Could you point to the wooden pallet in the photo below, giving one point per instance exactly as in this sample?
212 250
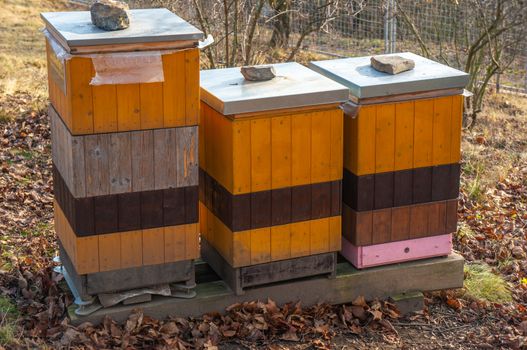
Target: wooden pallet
241 278
214 295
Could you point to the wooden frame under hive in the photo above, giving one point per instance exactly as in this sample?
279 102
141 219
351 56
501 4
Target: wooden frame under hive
402 137
271 171
125 156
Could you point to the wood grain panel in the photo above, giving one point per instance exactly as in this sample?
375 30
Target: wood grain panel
192 241
96 149
174 90
115 251
260 155
301 149
81 95
384 190
187 156
385 138
106 211
336 118
153 246
400 223
241 157
300 239
109 252
192 90
423 133
394 224
320 147
165 158
131 249
104 108
364 144
280 242
382 226
319 237
404 135
142 143
90 109
241 247
175 243
281 152
120 163
335 233
419 221
260 245
457 118
151 102
442 126
128 107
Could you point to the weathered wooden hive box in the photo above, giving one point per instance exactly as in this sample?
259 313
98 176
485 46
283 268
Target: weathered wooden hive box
124 121
401 159
271 170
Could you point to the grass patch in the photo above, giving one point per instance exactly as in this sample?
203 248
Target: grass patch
8 316
475 189
483 284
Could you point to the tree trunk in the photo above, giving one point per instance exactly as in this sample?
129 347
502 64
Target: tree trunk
281 23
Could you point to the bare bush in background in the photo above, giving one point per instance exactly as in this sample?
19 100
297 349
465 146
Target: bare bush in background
485 38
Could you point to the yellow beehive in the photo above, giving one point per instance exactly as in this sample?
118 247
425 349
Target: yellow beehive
271 165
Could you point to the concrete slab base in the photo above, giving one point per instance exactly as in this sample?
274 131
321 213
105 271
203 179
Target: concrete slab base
378 282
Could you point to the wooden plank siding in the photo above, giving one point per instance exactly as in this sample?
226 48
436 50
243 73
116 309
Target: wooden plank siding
403 135
114 251
267 244
400 188
271 151
88 109
394 224
126 211
114 163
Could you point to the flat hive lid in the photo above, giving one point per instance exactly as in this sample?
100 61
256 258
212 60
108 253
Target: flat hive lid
75 28
294 86
364 81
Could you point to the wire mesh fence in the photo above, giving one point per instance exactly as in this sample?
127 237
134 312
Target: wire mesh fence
440 29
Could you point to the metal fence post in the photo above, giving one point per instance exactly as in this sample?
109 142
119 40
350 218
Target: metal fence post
390 26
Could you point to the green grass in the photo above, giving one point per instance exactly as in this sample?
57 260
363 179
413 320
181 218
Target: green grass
8 317
483 284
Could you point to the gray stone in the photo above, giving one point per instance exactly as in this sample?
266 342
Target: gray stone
409 302
260 73
391 64
110 14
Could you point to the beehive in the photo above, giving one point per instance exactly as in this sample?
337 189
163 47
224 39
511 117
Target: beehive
125 159
270 168
87 109
402 137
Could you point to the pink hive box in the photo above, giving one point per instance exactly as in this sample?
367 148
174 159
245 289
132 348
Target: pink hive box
396 252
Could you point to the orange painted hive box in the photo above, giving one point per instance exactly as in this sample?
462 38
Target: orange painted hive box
402 138
270 165
124 113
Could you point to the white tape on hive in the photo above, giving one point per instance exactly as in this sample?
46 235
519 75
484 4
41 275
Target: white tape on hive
128 68
123 67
